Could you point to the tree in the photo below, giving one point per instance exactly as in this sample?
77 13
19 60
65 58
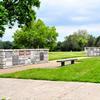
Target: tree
1 44
97 43
21 11
6 45
81 36
91 41
37 36
71 44
76 42
3 19
58 46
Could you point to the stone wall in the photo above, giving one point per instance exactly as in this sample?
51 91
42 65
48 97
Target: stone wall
12 58
92 51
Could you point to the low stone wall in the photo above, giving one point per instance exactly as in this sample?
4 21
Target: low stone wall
92 51
11 58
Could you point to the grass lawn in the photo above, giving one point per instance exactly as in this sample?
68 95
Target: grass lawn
63 55
88 70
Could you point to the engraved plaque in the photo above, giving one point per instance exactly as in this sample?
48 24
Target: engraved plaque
28 52
15 60
41 56
21 53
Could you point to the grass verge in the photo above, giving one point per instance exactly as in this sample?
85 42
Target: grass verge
88 70
64 55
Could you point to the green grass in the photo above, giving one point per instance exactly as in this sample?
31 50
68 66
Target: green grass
88 70
64 55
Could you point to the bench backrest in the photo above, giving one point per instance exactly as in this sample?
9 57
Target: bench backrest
67 59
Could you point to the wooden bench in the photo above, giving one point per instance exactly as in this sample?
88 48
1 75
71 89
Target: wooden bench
72 60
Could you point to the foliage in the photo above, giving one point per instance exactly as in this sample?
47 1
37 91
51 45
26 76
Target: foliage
22 11
91 41
71 44
37 36
77 41
3 19
58 46
97 43
88 70
6 45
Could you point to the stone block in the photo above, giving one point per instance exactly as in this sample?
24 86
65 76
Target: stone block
9 58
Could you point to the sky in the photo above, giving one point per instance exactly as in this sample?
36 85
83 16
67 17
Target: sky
67 16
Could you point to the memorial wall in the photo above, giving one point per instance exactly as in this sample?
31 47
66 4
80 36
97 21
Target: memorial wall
92 51
11 58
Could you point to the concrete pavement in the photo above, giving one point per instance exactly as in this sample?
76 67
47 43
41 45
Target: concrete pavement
18 89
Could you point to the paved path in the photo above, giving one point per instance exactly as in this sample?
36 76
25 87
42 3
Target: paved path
17 89
50 64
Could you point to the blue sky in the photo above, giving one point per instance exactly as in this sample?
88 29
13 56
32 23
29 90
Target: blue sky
68 16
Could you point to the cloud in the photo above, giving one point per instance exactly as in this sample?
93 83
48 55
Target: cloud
62 12
67 30
68 16
9 33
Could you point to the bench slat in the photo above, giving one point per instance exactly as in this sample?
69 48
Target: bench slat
64 60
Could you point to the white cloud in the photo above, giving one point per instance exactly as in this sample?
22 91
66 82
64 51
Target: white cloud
79 18
68 16
70 3
93 29
55 11
9 33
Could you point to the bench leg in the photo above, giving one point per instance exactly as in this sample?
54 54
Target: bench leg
72 62
62 63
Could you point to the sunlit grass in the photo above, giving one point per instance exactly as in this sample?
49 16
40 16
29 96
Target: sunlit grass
64 55
88 70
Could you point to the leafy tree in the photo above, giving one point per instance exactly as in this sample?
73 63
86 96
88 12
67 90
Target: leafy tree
1 45
22 11
3 19
58 46
6 45
75 42
70 44
81 36
97 43
91 41
37 36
